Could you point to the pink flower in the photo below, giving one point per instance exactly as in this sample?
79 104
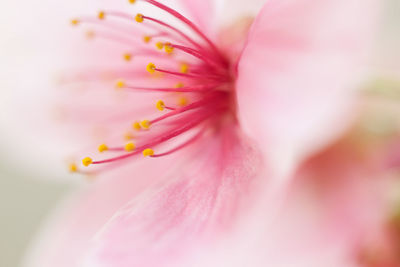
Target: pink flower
252 104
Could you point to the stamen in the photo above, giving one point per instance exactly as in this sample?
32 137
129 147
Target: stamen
139 18
205 77
73 167
154 68
75 22
102 148
127 57
151 68
120 84
190 24
145 124
130 147
185 144
177 89
168 48
179 85
136 126
128 17
87 161
128 136
159 45
148 152
182 101
204 57
201 103
160 105
101 15
147 38
184 68
161 139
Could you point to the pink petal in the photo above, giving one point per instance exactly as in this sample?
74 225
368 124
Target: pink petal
195 209
230 11
297 73
212 16
66 236
202 13
334 202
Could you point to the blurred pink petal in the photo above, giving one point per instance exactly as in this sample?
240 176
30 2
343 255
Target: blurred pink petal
66 236
197 9
297 73
335 200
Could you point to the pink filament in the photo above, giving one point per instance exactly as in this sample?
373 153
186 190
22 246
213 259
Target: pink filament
185 144
206 78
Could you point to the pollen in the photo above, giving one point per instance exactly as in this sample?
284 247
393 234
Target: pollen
159 45
182 101
168 48
132 1
128 136
148 152
145 124
90 34
179 85
136 126
184 68
87 161
72 167
151 68
101 15
127 57
102 148
75 22
130 147
120 84
147 39
139 18
160 105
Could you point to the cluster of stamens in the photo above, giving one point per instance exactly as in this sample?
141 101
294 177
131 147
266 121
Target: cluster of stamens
202 79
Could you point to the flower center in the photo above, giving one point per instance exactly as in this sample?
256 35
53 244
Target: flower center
202 77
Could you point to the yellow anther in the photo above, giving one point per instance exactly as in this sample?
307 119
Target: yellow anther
136 126
120 84
103 147
127 57
168 48
90 34
182 101
72 167
139 18
148 152
129 136
184 68
75 22
151 68
130 147
160 105
159 45
145 124
132 1
179 85
101 15
87 161
147 39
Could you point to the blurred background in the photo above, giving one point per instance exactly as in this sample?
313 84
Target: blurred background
28 194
